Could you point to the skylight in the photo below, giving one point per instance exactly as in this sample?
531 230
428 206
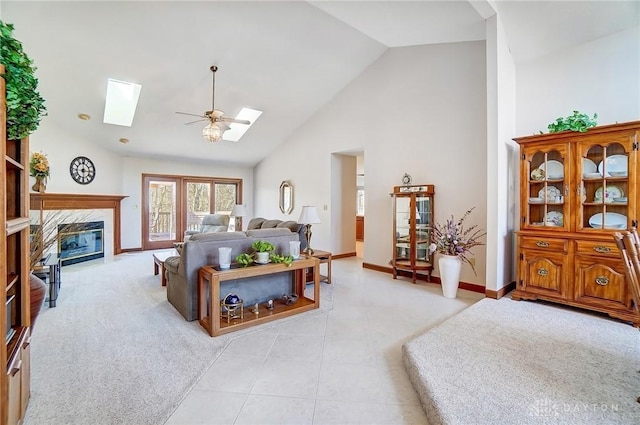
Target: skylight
236 131
122 99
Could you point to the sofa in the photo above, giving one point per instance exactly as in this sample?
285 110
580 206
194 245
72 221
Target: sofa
202 249
263 223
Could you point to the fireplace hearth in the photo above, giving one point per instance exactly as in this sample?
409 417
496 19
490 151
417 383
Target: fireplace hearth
84 243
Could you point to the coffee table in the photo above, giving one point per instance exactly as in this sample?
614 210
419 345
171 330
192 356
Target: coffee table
158 263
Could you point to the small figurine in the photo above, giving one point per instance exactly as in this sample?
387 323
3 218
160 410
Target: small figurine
270 305
256 309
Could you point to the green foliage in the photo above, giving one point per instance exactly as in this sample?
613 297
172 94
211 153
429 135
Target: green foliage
285 259
25 106
262 246
576 122
244 259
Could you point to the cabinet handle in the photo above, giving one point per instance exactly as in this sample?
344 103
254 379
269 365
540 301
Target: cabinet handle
542 244
602 249
543 272
602 281
16 369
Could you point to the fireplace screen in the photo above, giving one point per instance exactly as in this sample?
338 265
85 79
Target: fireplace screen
79 242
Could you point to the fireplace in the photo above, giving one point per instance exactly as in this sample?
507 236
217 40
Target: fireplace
78 242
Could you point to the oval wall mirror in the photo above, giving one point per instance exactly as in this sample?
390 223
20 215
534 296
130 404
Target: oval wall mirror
286 197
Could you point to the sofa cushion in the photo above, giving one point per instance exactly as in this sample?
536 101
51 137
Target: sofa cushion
220 236
291 225
256 223
207 228
270 224
265 233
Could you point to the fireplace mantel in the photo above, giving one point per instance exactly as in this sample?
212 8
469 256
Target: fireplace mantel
82 201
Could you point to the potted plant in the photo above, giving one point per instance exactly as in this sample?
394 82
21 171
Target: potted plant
25 106
262 249
454 243
576 122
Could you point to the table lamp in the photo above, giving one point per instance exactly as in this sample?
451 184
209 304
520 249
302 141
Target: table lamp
308 216
238 211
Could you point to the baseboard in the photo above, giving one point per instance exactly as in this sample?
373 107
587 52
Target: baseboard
345 255
434 279
496 295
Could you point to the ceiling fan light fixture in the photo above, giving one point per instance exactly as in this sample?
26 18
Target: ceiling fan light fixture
212 133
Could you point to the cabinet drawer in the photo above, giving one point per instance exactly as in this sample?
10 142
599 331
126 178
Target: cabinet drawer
599 248
544 243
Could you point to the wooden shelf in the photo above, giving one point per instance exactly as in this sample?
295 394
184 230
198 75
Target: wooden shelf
12 163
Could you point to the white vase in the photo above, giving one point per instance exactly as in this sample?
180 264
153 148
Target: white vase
450 266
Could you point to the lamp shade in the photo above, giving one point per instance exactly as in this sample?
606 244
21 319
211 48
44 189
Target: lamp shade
212 133
309 215
238 211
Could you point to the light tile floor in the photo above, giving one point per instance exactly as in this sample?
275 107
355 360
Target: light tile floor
343 366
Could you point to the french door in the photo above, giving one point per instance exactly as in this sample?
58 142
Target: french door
173 204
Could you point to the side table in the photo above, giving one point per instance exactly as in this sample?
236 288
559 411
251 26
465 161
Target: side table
51 261
325 258
158 263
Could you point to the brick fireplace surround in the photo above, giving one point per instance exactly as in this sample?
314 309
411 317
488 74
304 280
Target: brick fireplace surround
71 201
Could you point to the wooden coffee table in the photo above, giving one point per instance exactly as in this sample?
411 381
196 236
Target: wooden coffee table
158 263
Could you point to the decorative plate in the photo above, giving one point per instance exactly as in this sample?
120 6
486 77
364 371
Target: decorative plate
611 221
595 175
616 163
537 174
611 193
588 167
552 193
554 218
553 169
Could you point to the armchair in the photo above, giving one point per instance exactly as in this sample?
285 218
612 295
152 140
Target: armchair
211 223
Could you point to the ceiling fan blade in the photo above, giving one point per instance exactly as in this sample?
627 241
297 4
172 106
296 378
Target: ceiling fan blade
191 122
193 115
235 121
223 126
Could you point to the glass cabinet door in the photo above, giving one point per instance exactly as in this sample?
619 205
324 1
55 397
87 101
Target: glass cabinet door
547 176
402 227
423 211
605 193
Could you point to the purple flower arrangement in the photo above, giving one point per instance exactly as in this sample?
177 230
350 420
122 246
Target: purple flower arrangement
453 239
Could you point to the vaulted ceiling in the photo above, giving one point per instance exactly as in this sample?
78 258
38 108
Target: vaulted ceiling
286 58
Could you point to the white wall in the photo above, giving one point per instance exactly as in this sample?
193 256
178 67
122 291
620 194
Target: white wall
131 183
602 76
419 110
502 154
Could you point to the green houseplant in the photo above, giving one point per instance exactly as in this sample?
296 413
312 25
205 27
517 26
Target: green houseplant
576 122
25 106
262 248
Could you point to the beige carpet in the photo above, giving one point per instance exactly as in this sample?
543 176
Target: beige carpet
520 362
114 351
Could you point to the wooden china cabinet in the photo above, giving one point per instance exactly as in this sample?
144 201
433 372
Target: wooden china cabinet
14 274
576 189
412 225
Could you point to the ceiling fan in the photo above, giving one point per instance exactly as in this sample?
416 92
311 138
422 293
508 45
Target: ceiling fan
218 123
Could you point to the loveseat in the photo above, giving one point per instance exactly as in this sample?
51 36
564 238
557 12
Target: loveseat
202 249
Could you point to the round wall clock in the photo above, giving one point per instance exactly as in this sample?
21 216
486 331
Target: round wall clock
82 170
